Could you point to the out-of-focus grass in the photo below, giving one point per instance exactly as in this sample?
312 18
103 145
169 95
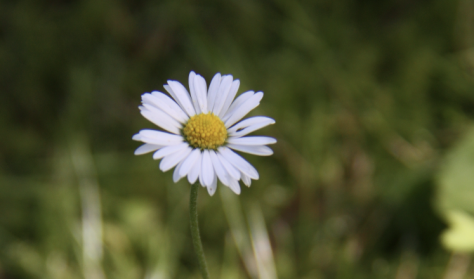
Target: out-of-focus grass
368 96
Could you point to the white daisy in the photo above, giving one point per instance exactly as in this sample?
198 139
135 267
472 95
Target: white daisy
202 128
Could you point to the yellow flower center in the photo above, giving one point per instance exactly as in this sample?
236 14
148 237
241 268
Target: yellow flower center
205 131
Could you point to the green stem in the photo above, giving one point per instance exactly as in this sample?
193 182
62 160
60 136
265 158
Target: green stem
195 231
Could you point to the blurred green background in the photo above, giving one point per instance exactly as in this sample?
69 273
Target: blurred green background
372 173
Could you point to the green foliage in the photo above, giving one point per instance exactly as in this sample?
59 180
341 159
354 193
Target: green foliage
459 236
368 96
455 197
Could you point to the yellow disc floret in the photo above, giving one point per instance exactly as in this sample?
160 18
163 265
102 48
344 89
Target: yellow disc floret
205 131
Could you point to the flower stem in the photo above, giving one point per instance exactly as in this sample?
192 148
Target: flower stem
195 231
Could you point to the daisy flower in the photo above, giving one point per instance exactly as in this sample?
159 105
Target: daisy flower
202 129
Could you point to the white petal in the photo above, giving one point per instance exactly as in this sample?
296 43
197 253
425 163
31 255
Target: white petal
260 150
222 92
211 189
166 104
176 176
165 151
234 186
201 181
182 97
219 169
212 93
172 105
201 92
137 137
173 159
160 118
207 170
194 99
251 140
159 137
240 100
189 162
249 125
195 170
231 170
230 97
173 95
146 148
247 181
239 162
244 108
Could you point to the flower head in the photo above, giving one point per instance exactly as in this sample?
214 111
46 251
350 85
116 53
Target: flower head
202 127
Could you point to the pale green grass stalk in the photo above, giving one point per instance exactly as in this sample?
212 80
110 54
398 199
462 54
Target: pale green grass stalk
238 229
261 244
458 266
91 210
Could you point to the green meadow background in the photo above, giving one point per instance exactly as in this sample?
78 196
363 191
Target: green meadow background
372 175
